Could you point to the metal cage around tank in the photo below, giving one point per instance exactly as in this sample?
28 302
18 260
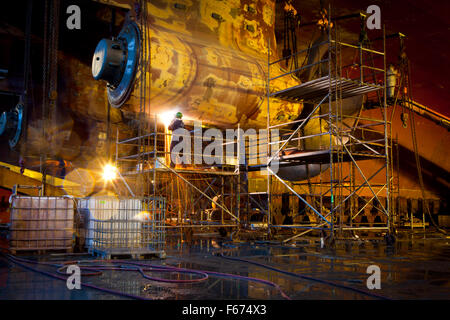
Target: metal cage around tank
41 223
123 226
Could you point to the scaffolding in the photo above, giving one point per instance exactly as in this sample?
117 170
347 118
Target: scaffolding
198 195
344 152
350 151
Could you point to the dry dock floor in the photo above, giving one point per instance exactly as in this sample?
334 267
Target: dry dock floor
415 267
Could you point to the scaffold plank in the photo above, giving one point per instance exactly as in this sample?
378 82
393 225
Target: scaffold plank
318 88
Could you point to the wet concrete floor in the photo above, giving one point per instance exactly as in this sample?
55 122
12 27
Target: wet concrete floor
415 267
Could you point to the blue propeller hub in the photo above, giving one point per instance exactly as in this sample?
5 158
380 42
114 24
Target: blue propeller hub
11 125
116 61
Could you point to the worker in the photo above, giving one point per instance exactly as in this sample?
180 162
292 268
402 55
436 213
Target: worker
391 77
61 168
176 123
22 165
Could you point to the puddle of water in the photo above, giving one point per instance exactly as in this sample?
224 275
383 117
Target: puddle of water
411 269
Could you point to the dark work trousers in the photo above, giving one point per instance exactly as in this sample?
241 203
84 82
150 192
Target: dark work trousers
174 125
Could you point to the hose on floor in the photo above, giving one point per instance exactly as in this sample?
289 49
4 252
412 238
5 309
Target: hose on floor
91 286
330 283
123 265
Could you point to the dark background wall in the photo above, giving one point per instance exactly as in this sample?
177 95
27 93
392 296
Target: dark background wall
426 25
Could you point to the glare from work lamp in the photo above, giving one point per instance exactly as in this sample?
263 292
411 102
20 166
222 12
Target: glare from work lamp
109 172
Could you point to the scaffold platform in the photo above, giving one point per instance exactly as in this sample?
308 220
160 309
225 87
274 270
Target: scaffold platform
318 157
203 171
316 89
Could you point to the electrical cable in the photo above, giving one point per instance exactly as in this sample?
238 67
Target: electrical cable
221 274
49 274
140 267
220 254
97 269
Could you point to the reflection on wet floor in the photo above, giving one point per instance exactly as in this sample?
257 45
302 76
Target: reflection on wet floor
411 269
